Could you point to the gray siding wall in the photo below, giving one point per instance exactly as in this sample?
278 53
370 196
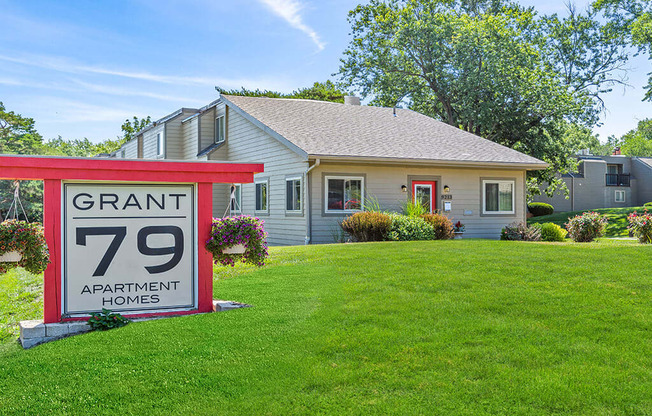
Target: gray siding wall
207 121
247 143
190 132
384 183
642 170
131 149
149 142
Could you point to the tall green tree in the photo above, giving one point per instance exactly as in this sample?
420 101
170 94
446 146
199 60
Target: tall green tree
638 141
133 126
488 67
18 134
633 19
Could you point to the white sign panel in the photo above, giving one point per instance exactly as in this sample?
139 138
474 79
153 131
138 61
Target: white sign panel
128 248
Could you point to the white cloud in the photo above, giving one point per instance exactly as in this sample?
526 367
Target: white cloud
290 11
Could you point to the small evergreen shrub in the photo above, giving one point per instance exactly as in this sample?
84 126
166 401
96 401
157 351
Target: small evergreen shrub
648 205
367 226
520 231
441 225
640 225
230 231
586 227
552 232
405 228
538 209
106 319
29 240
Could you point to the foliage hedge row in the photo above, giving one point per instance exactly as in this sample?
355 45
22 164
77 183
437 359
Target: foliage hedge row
380 226
538 209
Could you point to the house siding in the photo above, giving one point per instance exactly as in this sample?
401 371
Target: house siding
131 149
246 142
149 142
643 173
384 183
190 132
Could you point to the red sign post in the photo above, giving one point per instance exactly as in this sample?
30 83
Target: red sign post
76 183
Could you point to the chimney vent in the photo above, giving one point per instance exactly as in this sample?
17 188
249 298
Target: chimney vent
351 100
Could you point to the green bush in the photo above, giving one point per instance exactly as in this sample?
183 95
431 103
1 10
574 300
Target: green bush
106 319
640 225
414 209
586 227
552 232
519 231
405 228
538 209
648 205
367 226
441 225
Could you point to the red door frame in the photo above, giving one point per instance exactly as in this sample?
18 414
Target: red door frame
53 171
433 195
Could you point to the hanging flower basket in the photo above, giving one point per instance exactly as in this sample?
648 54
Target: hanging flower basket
240 238
22 244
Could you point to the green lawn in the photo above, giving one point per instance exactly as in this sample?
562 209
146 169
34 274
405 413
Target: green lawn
467 327
617 226
21 297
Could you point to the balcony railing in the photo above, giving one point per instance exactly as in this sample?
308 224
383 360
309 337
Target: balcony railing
617 179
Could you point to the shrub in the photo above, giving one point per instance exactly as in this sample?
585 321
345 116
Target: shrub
106 320
414 209
406 228
27 239
538 209
586 227
367 226
441 225
640 225
519 231
231 231
552 232
648 205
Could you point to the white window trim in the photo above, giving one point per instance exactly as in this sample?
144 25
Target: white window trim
160 148
623 193
237 210
484 196
256 182
294 178
346 178
216 138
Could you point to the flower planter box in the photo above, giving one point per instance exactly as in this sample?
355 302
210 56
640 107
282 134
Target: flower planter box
236 249
458 235
11 257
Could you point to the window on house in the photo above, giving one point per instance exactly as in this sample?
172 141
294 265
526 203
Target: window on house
293 194
236 199
344 193
219 129
620 196
160 144
262 195
498 197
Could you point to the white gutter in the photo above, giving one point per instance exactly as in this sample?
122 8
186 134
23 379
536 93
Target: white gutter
307 203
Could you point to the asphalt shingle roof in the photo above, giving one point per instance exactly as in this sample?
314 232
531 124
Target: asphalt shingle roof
331 129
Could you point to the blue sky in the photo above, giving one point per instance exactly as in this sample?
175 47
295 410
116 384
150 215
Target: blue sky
81 68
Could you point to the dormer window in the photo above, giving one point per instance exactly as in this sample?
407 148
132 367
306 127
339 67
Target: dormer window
220 129
160 145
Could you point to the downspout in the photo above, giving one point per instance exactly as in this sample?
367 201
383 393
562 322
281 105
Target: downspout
572 192
307 203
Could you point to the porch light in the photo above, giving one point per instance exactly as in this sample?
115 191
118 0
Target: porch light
447 189
404 188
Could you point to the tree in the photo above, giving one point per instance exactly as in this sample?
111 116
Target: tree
320 91
18 134
633 19
638 142
488 67
133 126
580 138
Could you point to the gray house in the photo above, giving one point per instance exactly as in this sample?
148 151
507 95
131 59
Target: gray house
324 161
605 182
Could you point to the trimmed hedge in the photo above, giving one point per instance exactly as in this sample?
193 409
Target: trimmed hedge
367 226
552 232
539 209
406 228
648 205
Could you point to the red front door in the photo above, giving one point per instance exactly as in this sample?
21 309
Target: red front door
425 192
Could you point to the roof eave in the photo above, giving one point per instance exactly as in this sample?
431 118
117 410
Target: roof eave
431 162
